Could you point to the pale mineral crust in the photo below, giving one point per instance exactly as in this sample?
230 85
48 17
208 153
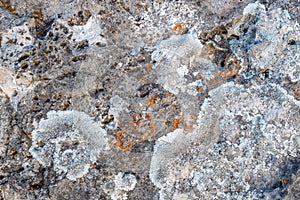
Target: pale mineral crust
149 99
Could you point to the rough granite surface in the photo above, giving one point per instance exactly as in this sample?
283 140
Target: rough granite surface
149 99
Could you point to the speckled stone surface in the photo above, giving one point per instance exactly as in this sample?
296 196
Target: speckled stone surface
149 99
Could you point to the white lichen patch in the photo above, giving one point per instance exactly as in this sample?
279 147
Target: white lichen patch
118 105
179 61
254 8
68 140
91 31
125 181
17 39
175 57
166 150
122 183
192 87
273 35
271 40
240 132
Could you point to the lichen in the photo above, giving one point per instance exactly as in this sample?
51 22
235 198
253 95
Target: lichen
243 127
122 183
91 31
174 57
263 44
125 181
68 140
15 41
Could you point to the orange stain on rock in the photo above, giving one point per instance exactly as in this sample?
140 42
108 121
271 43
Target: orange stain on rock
143 124
152 126
177 121
120 142
136 118
151 102
199 89
176 124
178 28
129 146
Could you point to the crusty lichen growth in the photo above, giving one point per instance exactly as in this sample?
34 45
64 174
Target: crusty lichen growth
122 183
68 140
243 127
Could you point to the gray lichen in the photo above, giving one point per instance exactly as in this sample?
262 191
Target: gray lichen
246 128
69 141
204 94
174 58
122 183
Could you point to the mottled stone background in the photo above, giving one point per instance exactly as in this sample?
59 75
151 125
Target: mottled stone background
149 99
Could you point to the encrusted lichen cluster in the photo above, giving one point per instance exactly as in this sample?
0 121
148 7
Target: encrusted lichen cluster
149 99
118 188
246 135
240 126
68 141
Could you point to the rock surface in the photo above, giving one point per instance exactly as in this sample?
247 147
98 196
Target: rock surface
149 99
